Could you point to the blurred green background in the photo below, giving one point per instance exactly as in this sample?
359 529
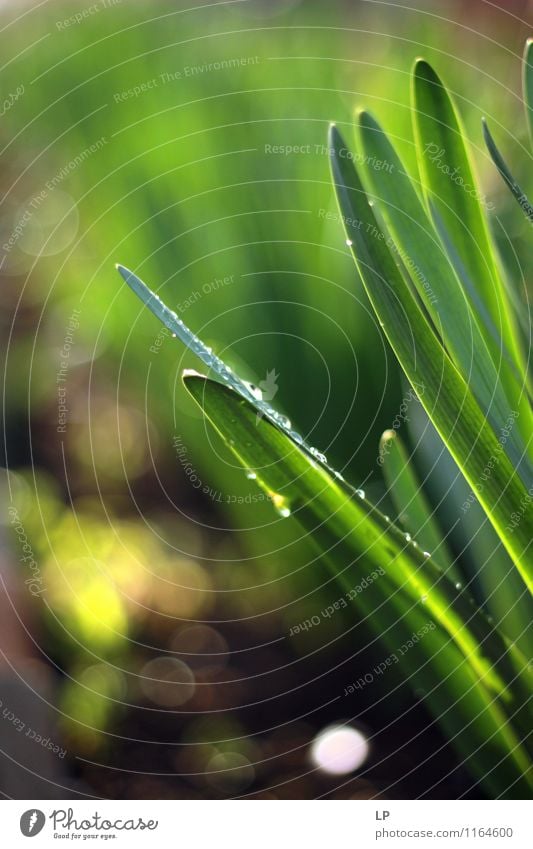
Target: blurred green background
189 144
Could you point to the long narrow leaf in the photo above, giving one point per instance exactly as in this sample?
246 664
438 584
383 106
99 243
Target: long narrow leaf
463 691
486 566
497 158
411 503
450 184
446 397
465 668
528 85
435 279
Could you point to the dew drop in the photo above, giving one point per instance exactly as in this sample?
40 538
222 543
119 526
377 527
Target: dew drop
423 599
458 585
426 554
284 422
251 475
254 390
296 437
349 243
360 493
408 537
316 453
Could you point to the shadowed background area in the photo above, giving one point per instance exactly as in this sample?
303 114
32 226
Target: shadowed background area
151 596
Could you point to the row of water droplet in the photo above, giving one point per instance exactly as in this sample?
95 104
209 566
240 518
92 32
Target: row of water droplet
247 390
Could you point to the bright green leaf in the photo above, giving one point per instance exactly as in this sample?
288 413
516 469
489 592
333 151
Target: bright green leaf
463 689
418 246
508 178
414 510
444 394
455 202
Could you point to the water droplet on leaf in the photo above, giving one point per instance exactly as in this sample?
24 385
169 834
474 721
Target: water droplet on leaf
319 456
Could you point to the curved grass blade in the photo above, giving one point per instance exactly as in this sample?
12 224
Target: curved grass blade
465 691
180 330
449 182
478 306
488 570
528 85
414 510
497 158
446 397
435 279
413 588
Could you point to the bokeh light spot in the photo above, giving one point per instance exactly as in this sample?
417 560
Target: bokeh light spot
339 749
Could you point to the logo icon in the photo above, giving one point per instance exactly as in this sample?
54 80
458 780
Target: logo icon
268 388
32 822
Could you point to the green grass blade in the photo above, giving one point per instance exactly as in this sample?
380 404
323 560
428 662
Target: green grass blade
462 663
488 570
449 182
414 509
462 688
217 366
497 158
434 277
528 85
446 397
